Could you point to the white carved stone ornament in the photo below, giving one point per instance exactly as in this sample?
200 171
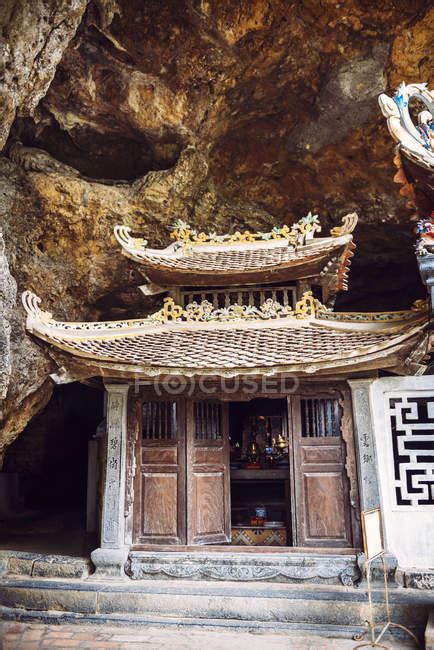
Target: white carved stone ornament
31 304
416 141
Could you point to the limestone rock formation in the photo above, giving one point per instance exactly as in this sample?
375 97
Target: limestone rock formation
8 291
34 37
226 114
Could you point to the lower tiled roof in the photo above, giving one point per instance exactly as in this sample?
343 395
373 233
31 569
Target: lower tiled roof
232 347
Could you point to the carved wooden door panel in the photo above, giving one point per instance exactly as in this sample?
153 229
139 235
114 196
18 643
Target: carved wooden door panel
159 500
208 487
321 484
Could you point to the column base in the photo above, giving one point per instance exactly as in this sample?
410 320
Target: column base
109 562
377 573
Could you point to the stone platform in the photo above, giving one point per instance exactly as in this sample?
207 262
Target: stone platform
206 603
63 589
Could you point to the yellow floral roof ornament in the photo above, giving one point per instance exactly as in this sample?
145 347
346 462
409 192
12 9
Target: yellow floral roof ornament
297 234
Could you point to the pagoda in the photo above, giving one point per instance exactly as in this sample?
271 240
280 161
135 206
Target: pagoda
232 419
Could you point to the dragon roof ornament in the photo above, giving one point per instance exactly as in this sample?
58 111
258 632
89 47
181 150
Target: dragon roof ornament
349 222
122 234
31 304
417 141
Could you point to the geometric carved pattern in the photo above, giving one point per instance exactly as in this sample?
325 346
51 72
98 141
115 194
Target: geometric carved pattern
259 537
412 430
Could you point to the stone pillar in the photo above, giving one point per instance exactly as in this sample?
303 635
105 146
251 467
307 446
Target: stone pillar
365 443
110 558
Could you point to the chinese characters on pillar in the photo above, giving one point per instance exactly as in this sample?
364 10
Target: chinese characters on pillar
113 471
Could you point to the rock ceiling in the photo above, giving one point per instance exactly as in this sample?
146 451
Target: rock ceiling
246 113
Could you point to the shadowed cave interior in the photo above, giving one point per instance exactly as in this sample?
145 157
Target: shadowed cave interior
50 463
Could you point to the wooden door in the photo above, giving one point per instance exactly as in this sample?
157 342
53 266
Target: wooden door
208 487
321 485
159 500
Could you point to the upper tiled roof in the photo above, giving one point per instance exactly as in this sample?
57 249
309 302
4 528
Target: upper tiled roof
211 264
244 258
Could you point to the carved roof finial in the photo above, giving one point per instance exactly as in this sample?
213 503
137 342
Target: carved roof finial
31 304
122 234
349 222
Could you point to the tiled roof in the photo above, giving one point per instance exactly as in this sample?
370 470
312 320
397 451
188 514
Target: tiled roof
201 263
244 259
229 347
305 339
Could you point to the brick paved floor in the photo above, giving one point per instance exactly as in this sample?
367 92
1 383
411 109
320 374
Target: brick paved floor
26 636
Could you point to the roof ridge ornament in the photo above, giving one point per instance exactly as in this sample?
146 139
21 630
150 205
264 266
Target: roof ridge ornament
349 222
122 234
31 304
297 234
417 141
186 236
308 307
419 308
170 312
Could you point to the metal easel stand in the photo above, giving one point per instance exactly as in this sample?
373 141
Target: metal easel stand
375 640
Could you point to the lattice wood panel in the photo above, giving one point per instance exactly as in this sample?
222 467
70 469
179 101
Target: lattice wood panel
159 420
219 298
207 420
320 418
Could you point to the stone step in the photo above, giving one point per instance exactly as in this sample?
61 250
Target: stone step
39 565
263 603
132 620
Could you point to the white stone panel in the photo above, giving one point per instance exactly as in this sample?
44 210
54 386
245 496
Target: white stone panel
404 432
